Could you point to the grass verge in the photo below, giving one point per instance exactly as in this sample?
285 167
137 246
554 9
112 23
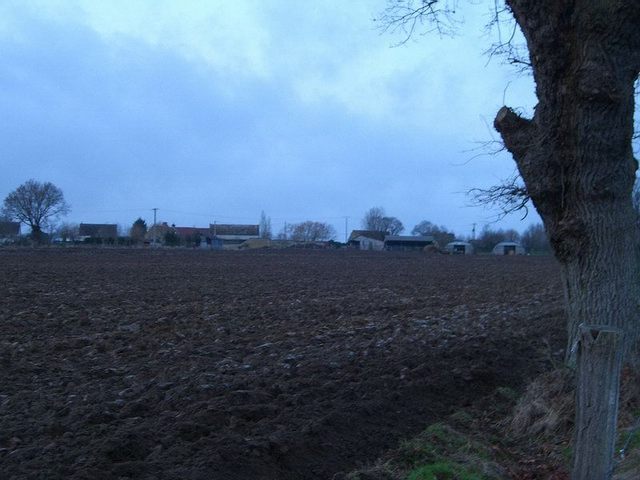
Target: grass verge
510 436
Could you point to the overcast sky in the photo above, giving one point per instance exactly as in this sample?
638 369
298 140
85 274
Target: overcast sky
217 110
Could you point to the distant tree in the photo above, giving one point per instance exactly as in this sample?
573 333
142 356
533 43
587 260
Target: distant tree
375 219
285 232
489 238
35 204
171 238
392 225
510 235
534 239
312 232
138 230
265 226
441 234
68 232
193 240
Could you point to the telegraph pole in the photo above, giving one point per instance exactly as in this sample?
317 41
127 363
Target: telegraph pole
155 229
346 229
473 232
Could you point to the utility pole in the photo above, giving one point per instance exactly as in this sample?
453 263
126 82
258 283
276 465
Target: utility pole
346 229
155 229
473 232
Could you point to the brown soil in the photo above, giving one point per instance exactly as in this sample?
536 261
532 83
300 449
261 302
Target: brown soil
253 365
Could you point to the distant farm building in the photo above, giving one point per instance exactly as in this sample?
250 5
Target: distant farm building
194 236
230 237
459 248
101 231
366 240
9 231
403 243
157 233
508 248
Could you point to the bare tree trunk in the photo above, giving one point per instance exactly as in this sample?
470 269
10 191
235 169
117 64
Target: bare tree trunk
575 157
37 235
598 387
575 153
603 287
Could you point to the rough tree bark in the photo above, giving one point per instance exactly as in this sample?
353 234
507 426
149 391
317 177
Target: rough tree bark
575 154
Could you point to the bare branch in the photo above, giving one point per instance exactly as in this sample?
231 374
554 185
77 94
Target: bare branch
406 16
509 196
514 53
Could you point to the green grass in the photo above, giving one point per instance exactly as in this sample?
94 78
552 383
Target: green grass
443 453
633 440
444 471
462 417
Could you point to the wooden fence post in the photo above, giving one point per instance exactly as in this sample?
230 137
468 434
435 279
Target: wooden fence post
599 362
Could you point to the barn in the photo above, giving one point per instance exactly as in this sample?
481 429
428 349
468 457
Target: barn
508 248
102 231
366 240
404 243
231 236
459 248
194 236
9 231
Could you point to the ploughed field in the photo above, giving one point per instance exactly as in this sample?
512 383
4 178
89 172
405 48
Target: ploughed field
175 364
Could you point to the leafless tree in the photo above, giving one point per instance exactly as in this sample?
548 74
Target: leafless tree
310 231
265 226
534 239
375 219
489 237
441 234
35 204
68 232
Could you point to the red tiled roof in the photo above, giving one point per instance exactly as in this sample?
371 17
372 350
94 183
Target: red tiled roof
230 229
192 231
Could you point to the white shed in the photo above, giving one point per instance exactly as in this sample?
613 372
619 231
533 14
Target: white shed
508 248
459 248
